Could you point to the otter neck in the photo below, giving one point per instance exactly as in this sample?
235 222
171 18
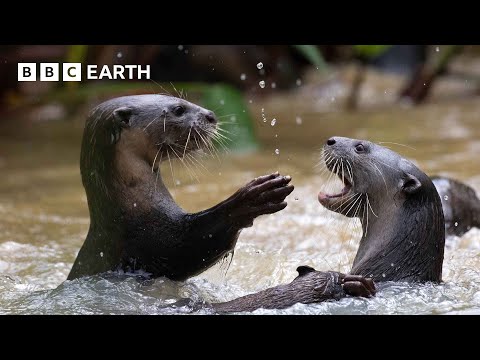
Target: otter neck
137 184
403 242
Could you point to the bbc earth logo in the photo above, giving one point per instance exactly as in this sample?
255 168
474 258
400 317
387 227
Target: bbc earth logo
73 72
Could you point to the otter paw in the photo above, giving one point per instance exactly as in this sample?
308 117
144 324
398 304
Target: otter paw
263 195
357 285
266 194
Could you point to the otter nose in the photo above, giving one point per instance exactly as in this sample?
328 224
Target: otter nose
210 116
331 141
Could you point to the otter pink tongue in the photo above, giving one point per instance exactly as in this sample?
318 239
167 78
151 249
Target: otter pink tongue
324 196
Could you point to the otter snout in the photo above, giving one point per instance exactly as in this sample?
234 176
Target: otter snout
210 117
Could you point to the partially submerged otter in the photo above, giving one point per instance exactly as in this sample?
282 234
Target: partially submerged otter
401 213
402 220
134 222
461 206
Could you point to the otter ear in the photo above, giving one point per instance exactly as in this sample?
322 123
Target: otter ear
302 270
122 116
410 184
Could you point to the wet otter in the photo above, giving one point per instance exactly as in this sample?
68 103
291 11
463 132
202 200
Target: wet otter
134 222
461 206
399 208
402 220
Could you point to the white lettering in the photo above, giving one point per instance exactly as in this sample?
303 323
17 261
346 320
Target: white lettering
105 73
92 72
146 71
118 72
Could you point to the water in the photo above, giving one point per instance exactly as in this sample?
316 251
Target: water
44 216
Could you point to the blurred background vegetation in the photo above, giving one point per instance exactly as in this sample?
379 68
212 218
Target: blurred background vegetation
225 78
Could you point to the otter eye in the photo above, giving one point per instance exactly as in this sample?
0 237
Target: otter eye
359 148
178 110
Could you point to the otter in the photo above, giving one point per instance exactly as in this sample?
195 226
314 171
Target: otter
398 206
135 223
402 222
461 206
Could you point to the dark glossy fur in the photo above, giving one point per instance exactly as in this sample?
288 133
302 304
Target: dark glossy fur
461 206
134 222
405 237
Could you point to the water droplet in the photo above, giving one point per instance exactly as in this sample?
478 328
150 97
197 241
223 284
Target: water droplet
101 253
134 204
119 55
298 120
273 122
203 259
437 49
424 84
298 82
383 275
178 182
445 197
274 85
180 47
277 151
243 77
220 174
260 65
209 235
332 99
456 224
233 118
276 135
222 102
262 84
392 264
250 101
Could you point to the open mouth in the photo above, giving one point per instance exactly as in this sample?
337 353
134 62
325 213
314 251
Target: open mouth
326 199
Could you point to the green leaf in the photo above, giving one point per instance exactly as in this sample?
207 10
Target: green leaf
370 51
231 109
313 54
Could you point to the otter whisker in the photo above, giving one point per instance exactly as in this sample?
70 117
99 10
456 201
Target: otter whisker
171 169
189 171
155 159
186 143
346 204
223 136
158 172
351 207
381 174
193 158
196 142
161 87
203 140
350 172
151 122
368 202
397 170
394 143
365 210
224 130
175 89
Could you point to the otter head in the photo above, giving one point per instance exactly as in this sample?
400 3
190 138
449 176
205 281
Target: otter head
399 208
158 125
371 174
126 138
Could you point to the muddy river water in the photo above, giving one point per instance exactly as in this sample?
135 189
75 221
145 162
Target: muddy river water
44 215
